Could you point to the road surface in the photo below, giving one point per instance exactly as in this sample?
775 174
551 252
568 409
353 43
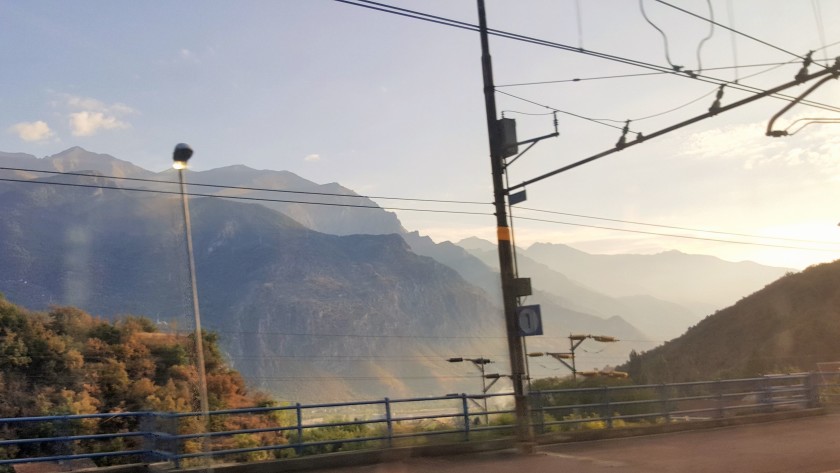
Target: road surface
808 445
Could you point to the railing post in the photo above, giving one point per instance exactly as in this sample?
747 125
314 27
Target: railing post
766 398
466 408
538 411
812 390
607 410
299 443
389 422
719 395
663 396
169 427
147 424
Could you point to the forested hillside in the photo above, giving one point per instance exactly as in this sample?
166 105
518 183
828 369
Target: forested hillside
65 361
790 325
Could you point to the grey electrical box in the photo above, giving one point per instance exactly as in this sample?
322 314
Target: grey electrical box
522 287
508 131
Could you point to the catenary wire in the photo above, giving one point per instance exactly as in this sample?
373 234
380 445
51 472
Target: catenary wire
661 33
674 227
707 38
425 200
593 120
640 74
815 6
773 66
720 240
261 189
527 39
732 38
753 38
257 199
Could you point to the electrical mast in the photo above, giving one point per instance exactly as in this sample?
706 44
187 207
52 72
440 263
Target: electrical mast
509 295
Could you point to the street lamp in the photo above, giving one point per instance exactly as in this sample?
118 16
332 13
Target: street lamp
574 341
480 363
180 156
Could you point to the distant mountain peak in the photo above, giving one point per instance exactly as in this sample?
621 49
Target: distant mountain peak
475 243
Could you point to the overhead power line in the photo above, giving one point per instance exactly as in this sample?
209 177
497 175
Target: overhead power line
688 237
457 212
564 47
640 74
713 22
232 197
260 189
674 227
713 111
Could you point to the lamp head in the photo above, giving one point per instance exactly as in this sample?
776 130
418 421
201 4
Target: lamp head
181 155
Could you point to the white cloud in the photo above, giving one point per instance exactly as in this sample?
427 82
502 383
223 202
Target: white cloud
749 143
312 158
188 55
85 103
88 123
91 115
32 131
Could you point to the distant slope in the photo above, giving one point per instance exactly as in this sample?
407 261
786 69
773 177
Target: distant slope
75 159
659 320
316 206
698 282
302 314
790 325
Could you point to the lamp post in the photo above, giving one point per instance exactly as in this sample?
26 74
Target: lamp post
574 342
480 363
180 156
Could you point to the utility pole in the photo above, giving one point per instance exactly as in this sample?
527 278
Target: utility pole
494 131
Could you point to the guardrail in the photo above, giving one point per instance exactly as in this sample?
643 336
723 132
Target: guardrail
298 430
619 406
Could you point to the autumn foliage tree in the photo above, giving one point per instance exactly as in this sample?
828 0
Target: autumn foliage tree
66 361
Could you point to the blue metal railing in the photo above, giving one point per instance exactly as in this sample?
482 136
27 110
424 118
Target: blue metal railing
296 429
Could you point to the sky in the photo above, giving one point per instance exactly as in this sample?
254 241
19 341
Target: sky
393 107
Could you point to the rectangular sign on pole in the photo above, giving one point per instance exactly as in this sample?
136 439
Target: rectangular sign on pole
529 320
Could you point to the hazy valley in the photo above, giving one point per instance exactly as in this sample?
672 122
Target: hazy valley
306 305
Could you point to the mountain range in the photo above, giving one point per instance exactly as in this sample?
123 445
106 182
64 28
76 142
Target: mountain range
322 302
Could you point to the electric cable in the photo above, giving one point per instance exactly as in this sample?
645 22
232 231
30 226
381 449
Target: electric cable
578 16
564 112
640 74
232 197
98 186
261 189
713 111
815 6
732 38
753 38
527 39
688 237
661 33
674 227
707 38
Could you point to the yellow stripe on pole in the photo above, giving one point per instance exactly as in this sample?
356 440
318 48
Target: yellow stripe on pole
503 233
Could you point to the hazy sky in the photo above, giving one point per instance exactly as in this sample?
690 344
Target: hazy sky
391 106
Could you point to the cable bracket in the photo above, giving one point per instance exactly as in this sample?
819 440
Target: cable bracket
622 142
803 72
715 108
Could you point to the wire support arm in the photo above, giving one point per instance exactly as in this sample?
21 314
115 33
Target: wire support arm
832 72
778 133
